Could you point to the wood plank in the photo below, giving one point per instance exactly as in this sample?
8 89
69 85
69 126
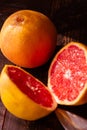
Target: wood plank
2 115
13 123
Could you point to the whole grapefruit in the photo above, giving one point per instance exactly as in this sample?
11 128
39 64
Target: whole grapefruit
28 38
23 95
67 77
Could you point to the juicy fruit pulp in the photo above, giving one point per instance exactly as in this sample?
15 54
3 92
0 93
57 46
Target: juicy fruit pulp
24 95
32 38
68 74
30 86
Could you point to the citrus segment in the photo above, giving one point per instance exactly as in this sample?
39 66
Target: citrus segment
68 74
24 95
28 38
33 88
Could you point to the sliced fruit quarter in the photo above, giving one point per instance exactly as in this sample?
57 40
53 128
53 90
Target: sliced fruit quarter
24 95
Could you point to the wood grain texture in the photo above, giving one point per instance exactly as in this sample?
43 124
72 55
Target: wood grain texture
2 115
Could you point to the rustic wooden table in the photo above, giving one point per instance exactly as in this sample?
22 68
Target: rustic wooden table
69 18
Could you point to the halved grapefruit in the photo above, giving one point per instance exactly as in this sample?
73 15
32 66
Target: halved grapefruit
67 76
24 95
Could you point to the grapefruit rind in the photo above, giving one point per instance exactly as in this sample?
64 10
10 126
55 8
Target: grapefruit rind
82 97
33 36
18 103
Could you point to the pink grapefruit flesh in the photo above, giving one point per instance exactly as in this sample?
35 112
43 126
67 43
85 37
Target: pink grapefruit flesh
68 74
30 86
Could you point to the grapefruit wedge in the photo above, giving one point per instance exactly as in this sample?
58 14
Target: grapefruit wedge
23 95
67 76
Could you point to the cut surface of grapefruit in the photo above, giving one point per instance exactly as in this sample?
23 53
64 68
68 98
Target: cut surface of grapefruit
24 95
67 75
